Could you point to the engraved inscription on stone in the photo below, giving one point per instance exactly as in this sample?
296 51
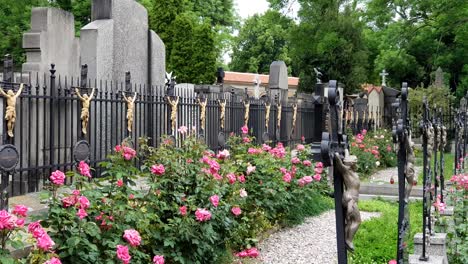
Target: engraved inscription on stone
9 157
81 151
221 139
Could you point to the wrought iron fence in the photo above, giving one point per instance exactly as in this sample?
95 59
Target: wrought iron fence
48 122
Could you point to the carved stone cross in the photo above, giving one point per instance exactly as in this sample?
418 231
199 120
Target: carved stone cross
384 74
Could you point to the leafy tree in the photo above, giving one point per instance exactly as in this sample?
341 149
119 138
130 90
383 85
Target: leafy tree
262 40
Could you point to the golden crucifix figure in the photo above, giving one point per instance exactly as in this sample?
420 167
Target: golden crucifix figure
202 103
173 104
130 105
247 112
294 118
278 116
222 115
10 115
267 115
85 104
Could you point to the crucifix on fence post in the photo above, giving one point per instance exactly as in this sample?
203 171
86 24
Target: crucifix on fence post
402 137
334 150
318 101
130 101
81 150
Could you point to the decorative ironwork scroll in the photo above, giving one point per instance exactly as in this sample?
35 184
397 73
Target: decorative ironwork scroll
10 113
173 101
85 105
334 150
130 106
202 103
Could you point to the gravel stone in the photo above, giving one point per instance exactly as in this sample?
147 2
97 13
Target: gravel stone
313 242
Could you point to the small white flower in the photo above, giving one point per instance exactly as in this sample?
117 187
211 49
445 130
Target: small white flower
243 193
377 163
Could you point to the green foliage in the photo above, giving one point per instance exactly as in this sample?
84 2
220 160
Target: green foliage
376 239
262 40
439 97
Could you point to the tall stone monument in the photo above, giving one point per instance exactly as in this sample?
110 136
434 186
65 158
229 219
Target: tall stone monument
278 85
439 77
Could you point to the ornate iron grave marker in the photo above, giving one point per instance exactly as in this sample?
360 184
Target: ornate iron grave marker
402 137
335 154
81 151
9 157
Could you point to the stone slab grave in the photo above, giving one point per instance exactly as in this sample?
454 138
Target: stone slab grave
414 259
436 248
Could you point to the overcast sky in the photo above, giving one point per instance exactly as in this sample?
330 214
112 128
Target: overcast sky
248 8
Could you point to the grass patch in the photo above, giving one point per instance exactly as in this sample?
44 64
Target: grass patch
376 239
448 168
311 204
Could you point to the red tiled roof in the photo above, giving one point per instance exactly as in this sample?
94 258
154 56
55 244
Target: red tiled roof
248 78
369 87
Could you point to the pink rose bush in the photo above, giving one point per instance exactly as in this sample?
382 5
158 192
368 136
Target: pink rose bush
132 237
123 254
83 169
202 215
57 177
158 259
158 169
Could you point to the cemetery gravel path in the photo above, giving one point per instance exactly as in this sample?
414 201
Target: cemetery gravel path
313 242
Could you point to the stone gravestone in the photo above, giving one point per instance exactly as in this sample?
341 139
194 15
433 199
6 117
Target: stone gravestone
360 107
278 85
439 77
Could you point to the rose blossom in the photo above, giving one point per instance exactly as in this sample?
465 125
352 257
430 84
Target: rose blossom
20 222
223 154
287 177
295 160
183 210
44 242
128 153
243 193
57 177
318 170
245 130
84 170
214 199
5 220
317 177
250 169
319 165
35 229
132 236
217 176
84 202
20 210
231 177
241 178
392 261
246 140
69 201
303 139
122 254
53 260
118 148
81 213
265 147
158 169
158 259
236 211
307 163
120 183
202 215
300 147
182 129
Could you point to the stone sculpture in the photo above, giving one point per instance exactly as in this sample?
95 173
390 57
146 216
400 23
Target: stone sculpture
202 103
409 170
130 105
247 112
222 115
173 103
347 169
10 114
86 103
267 115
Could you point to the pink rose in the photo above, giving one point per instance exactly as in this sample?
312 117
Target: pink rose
44 242
84 170
364 132
5 220
214 199
183 210
35 229
131 196
307 179
295 160
307 163
252 252
231 177
253 151
317 177
300 147
217 176
120 183
246 140
236 211
69 201
158 259
81 213
392 261
117 148
53 260
76 192
20 210
250 169
245 130
318 170
122 254
158 169
57 177
202 215
241 178
287 177
319 165
182 129
84 202
223 154
20 222
265 147
132 236
303 139
128 153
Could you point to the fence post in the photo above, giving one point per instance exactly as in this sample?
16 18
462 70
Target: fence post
51 117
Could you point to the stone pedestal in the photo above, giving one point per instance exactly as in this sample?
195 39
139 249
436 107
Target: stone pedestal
436 247
414 259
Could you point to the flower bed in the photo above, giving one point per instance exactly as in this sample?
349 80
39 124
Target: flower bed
200 207
374 151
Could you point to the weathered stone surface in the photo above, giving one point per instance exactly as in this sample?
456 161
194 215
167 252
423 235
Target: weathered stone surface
414 259
51 40
157 59
436 246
